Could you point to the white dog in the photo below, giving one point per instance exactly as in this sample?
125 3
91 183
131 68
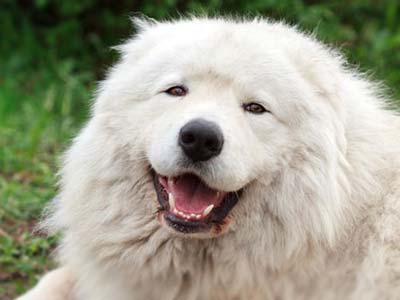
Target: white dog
230 160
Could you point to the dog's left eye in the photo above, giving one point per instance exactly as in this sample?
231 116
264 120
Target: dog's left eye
255 108
177 91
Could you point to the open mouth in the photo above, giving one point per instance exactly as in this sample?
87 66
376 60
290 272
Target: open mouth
189 205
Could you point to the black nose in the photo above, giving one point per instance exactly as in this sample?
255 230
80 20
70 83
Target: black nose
200 140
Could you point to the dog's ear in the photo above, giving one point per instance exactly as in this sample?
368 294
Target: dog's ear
142 23
133 47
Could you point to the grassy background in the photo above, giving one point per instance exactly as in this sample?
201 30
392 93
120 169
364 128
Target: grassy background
52 53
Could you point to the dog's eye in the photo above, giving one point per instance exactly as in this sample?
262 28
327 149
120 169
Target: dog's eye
177 91
255 108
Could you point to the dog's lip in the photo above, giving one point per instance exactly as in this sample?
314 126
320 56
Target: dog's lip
197 222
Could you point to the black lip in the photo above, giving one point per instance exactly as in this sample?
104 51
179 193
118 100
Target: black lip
189 226
185 226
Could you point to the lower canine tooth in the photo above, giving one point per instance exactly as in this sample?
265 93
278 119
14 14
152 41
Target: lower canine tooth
208 210
171 200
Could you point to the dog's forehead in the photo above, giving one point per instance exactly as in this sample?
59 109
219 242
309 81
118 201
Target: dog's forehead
231 52
259 58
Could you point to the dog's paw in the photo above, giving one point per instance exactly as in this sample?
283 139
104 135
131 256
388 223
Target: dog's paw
56 285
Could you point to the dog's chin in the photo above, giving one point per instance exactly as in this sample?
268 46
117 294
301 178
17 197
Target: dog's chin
189 207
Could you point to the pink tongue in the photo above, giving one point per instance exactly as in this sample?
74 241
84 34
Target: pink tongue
193 196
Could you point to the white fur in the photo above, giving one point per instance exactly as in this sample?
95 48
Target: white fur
320 214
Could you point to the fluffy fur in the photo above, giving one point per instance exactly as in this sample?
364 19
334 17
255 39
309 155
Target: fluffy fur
320 214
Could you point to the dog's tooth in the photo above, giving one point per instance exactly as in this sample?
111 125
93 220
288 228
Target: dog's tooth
171 181
208 210
198 217
193 215
175 211
171 200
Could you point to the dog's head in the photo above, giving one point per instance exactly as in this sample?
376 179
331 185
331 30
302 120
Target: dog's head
207 126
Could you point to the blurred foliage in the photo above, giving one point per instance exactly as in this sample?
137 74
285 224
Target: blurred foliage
53 51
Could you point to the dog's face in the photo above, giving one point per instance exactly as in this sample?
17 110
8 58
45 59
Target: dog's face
209 142
216 129
218 113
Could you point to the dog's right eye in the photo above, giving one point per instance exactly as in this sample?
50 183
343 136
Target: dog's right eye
255 108
177 91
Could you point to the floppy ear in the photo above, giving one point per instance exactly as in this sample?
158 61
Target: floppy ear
318 173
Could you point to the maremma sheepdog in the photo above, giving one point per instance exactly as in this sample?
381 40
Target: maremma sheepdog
229 159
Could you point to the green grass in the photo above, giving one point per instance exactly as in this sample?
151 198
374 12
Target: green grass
33 132
50 58
42 104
